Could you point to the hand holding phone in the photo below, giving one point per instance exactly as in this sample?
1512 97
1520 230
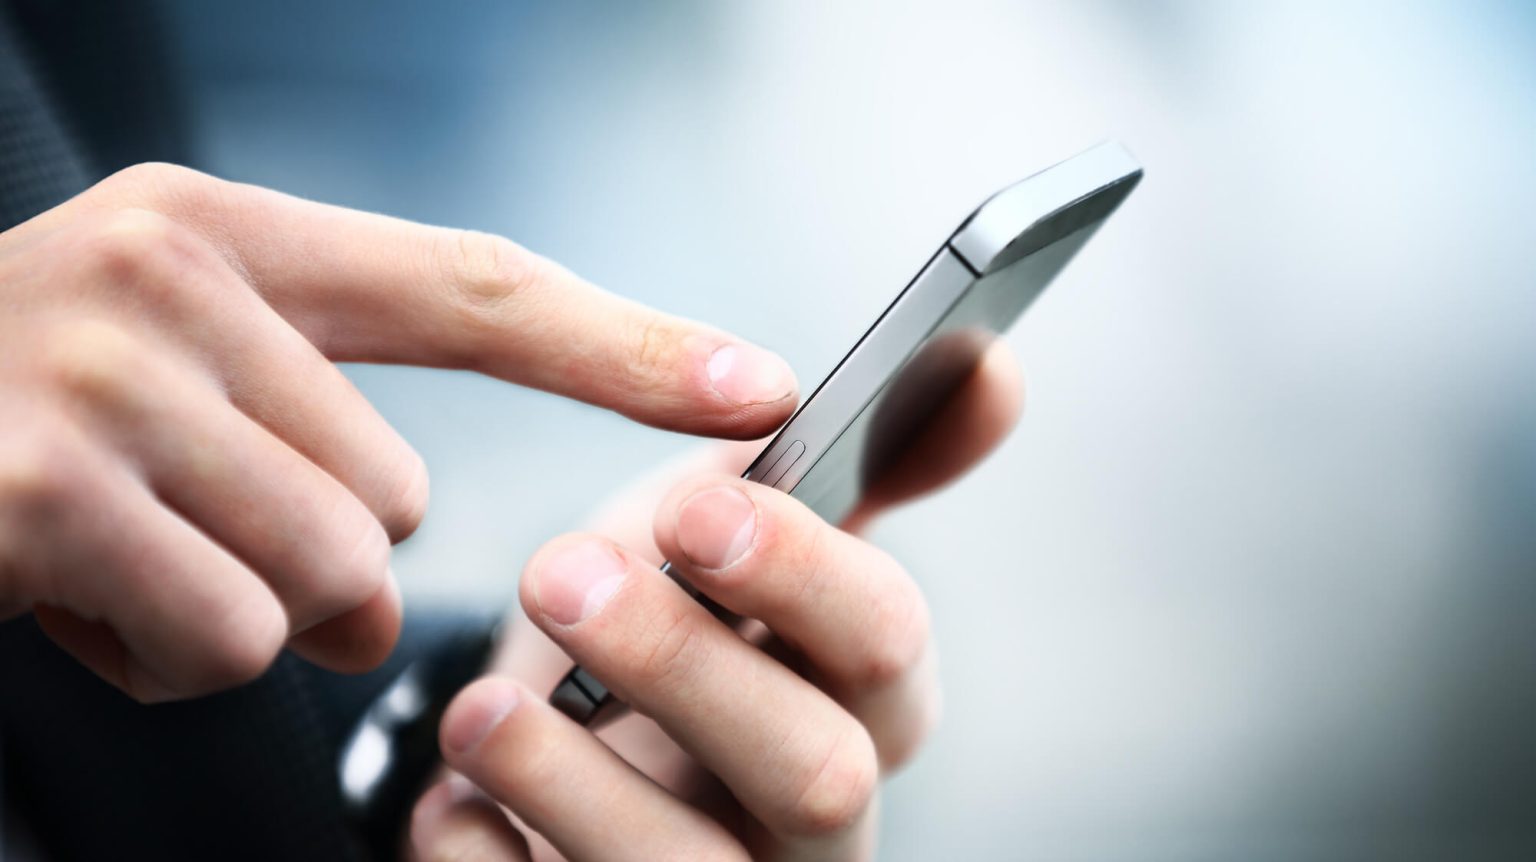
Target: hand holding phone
737 751
919 350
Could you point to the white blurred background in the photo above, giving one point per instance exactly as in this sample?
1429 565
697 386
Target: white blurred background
1256 578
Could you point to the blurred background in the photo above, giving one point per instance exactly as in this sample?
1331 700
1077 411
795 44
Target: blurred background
1257 576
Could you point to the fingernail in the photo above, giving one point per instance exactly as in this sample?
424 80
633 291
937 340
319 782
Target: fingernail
427 823
715 527
574 582
747 374
471 721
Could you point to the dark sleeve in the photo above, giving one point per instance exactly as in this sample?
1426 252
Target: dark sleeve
246 774
40 166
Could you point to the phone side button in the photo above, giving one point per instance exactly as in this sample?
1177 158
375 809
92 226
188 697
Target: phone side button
763 470
786 461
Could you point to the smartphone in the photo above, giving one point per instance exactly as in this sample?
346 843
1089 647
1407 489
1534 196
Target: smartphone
920 350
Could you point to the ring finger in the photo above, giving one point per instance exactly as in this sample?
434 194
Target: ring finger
797 761
315 544
839 601
564 783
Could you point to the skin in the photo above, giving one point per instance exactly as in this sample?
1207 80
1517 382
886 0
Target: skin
188 484
769 744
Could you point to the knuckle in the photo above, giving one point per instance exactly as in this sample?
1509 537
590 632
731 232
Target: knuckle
899 743
670 652
126 245
154 181
805 557
405 504
484 271
900 637
654 342
43 477
145 252
37 473
252 636
93 360
361 570
838 790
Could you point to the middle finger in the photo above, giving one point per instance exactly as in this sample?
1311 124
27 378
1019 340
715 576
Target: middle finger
842 603
794 758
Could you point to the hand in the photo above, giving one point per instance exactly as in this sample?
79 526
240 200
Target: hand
187 482
733 751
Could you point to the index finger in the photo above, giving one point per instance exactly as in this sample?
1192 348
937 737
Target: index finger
369 288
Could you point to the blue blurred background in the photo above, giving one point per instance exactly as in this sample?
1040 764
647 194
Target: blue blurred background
1256 578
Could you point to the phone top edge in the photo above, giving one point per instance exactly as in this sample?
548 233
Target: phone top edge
1008 226
983 238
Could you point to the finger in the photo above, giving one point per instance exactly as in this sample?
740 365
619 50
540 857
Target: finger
341 644
369 288
625 519
150 604
314 543
319 548
842 603
795 759
626 516
965 430
454 822
266 368
360 639
564 783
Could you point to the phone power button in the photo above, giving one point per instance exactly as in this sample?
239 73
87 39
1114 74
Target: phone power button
781 468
